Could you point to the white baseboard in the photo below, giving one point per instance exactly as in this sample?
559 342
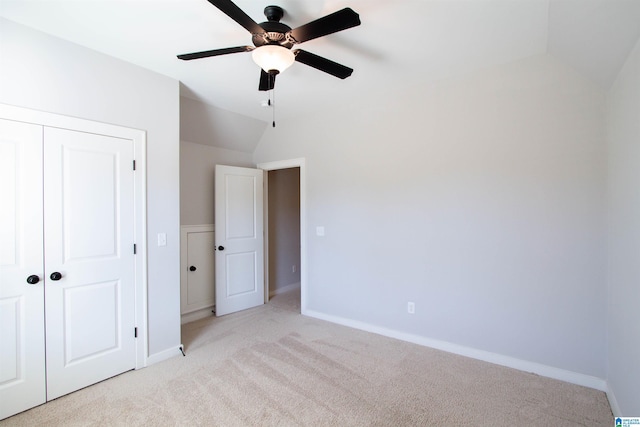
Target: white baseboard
613 402
284 289
196 315
498 359
164 355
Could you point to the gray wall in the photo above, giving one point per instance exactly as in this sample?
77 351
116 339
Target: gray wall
480 198
623 325
197 178
45 73
284 228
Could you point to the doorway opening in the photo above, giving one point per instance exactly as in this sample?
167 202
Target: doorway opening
285 249
283 223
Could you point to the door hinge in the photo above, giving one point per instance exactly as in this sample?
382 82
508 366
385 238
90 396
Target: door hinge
135 332
134 165
134 248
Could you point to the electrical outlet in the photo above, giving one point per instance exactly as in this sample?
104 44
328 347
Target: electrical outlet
411 307
293 268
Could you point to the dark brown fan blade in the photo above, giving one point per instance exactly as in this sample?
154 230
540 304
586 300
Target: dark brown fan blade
215 52
267 81
230 9
322 64
337 21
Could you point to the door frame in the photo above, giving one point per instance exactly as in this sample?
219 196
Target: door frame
139 138
286 164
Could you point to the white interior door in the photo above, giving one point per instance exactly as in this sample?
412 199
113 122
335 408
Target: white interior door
22 356
200 289
88 239
239 239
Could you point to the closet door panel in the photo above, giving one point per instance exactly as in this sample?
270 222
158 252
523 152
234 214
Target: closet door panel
89 259
22 352
200 290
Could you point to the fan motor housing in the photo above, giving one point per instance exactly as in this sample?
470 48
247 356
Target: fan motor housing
275 34
275 30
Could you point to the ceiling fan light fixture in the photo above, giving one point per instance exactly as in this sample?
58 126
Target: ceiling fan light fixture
272 57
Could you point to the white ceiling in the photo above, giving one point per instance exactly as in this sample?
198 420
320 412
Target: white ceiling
398 42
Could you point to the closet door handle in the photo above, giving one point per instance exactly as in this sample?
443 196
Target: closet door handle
192 268
221 248
55 276
33 279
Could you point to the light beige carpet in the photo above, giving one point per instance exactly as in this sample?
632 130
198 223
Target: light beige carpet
270 366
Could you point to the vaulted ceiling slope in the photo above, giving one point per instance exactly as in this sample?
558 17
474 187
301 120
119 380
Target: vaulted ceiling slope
594 36
398 41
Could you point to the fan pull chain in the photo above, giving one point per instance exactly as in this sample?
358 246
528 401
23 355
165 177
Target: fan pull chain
273 123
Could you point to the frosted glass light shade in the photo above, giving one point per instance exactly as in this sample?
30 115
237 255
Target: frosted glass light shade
273 57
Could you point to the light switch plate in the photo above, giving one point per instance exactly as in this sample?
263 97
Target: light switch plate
162 239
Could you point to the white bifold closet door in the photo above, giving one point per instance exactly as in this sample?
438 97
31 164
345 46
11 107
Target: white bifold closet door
67 220
22 357
88 239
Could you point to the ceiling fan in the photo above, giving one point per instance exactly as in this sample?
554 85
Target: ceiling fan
273 40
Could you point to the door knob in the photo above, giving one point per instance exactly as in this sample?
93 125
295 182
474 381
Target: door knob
192 268
33 279
55 276
221 248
